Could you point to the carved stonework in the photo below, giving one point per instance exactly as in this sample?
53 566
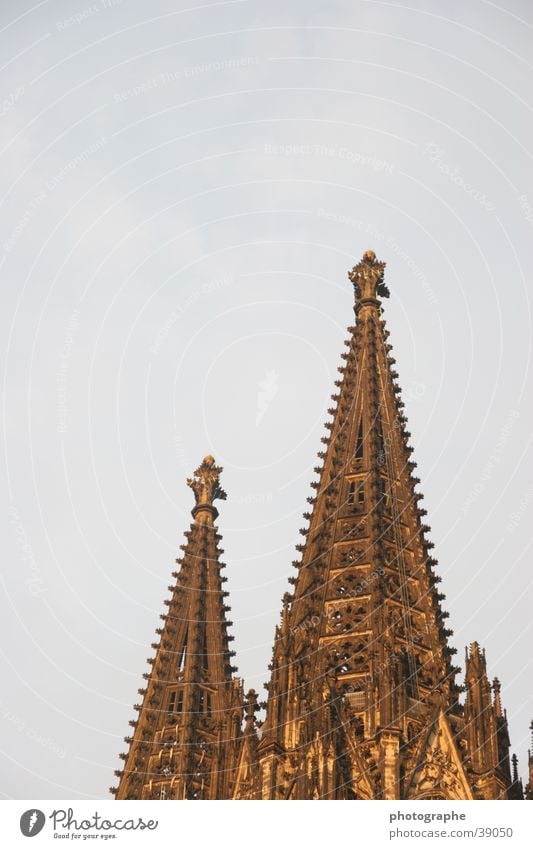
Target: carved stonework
351 556
352 583
354 530
367 278
344 617
440 773
206 483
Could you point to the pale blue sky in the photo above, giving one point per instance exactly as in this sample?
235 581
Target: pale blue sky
182 194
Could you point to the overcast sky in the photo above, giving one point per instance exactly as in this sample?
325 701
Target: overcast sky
182 193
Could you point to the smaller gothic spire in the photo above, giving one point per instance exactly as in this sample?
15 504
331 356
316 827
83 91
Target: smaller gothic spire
367 278
516 790
187 736
476 660
206 487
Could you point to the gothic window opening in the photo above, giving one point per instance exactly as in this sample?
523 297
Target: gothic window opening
175 701
356 493
359 443
183 654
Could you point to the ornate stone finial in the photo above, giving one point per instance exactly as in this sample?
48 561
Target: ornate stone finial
206 486
496 689
476 662
251 708
367 278
474 650
286 600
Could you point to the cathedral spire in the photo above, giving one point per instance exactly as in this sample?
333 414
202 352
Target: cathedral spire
186 738
366 620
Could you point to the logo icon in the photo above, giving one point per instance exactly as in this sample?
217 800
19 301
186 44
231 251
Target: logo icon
32 822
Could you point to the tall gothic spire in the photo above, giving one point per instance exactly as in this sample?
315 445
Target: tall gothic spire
185 741
367 555
362 697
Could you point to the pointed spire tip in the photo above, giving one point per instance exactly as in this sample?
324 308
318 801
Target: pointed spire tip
205 484
368 280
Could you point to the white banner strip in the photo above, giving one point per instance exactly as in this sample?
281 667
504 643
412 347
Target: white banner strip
228 825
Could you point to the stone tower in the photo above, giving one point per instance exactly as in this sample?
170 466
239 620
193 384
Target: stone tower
185 741
362 698
363 701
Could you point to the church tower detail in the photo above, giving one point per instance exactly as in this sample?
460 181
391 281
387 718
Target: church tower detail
363 700
185 741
